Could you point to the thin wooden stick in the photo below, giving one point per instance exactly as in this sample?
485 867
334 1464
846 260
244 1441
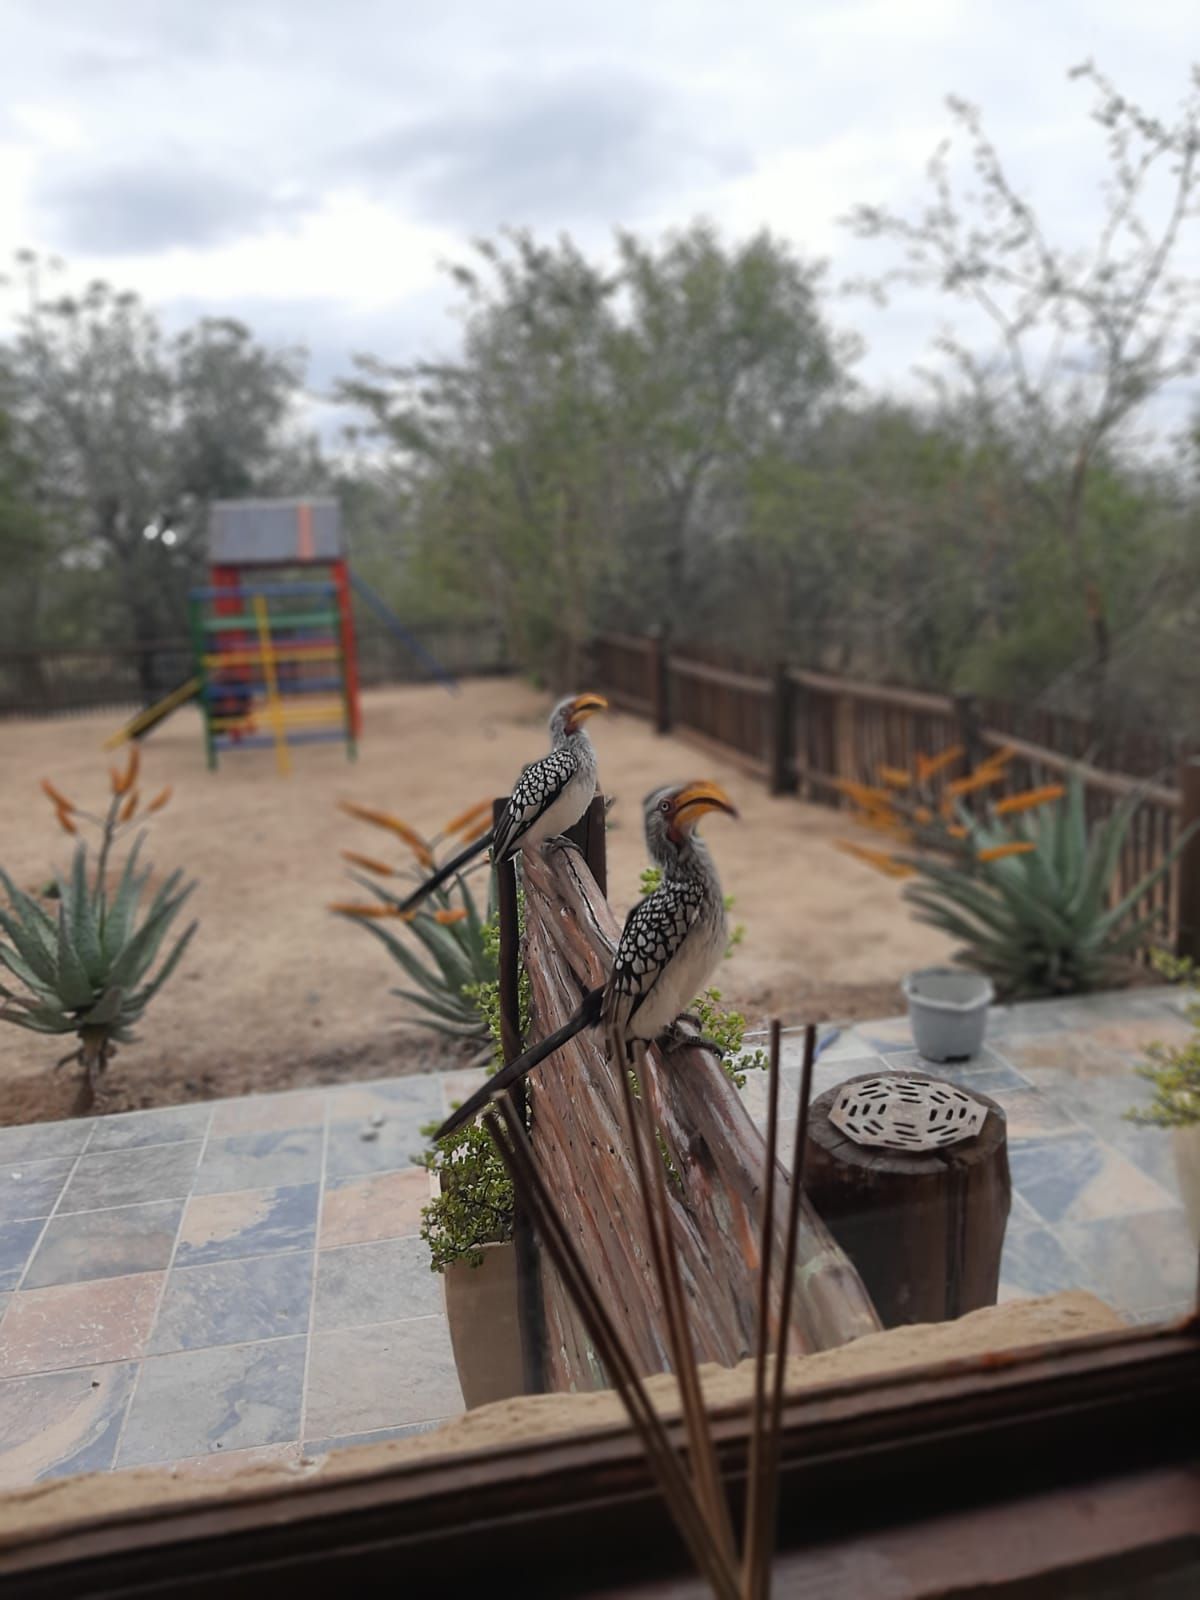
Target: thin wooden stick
770 1496
512 1142
700 1435
678 1337
755 1522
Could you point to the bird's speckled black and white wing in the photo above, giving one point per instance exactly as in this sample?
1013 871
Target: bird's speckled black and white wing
655 932
540 786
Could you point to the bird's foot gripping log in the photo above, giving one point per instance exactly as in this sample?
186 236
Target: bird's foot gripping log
679 1038
715 1154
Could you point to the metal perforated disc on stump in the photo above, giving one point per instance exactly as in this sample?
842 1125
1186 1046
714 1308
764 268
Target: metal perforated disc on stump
899 1113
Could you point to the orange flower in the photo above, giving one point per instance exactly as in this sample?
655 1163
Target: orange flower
864 795
122 782
65 821
1001 852
929 766
469 818
348 908
1000 758
127 810
383 819
368 864
923 815
979 779
160 800
1031 798
896 777
57 798
879 859
957 832
447 917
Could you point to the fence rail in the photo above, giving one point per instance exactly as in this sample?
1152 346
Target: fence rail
78 679
807 732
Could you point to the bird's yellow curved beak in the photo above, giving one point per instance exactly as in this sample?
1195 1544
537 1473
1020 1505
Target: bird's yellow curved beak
694 799
584 705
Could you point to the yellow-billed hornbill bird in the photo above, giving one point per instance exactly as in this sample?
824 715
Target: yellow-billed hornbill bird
549 797
668 949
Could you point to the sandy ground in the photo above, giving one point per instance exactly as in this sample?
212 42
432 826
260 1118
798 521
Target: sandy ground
275 992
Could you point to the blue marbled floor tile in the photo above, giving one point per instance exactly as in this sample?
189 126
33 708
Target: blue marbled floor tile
170 1125
59 1423
31 1188
1138 1262
17 1239
356 1148
129 1177
234 1302
269 1160
38 1141
1076 1178
254 1222
205 1400
105 1244
385 1281
1035 1261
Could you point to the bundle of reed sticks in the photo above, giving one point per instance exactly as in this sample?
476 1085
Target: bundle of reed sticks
690 1479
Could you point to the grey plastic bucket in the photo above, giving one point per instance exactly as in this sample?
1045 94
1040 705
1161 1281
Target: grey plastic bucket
947 1010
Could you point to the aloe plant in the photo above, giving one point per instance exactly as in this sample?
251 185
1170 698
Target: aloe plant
1029 896
454 967
85 968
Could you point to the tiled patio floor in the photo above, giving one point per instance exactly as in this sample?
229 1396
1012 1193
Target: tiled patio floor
218 1283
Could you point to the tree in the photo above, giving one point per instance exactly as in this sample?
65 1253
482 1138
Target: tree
1086 338
134 432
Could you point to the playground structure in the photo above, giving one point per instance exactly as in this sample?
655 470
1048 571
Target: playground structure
273 641
275 659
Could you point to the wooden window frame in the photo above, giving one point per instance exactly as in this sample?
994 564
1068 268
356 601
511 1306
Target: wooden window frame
1052 1472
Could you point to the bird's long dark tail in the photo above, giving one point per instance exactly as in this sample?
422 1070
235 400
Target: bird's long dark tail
586 1017
455 864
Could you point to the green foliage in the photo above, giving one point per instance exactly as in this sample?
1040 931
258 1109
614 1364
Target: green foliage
728 1029
455 983
475 1205
85 968
1174 1070
1040 923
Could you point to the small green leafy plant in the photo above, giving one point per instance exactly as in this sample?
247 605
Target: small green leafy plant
1174 1070
85 968
447 928
475 1204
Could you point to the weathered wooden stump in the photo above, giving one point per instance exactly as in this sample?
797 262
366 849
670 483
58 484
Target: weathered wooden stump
717 1161
924 1228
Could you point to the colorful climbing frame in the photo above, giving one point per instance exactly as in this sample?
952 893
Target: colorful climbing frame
276 662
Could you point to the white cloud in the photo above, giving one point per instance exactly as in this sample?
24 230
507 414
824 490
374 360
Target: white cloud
215 156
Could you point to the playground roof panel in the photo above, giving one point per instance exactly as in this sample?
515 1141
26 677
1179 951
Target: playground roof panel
246 533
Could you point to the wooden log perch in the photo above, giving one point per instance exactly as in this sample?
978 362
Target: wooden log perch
925 1228
716 1157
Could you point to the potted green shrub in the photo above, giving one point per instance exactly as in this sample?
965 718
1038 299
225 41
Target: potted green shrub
1174 1071
468 1226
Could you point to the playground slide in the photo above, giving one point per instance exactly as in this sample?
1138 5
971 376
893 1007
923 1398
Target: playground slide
153 715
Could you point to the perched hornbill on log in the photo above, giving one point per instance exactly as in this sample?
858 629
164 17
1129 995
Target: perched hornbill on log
549 797
669 947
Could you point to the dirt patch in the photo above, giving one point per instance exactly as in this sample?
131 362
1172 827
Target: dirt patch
276 993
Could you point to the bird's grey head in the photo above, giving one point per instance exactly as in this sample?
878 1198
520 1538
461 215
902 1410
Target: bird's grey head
671 814
569 715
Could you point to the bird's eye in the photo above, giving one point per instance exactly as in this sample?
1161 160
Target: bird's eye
664 805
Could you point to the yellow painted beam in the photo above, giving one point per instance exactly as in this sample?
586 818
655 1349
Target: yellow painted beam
274 706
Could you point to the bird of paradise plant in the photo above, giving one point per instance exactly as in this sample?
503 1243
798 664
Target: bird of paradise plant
455 982
1024 882
86 970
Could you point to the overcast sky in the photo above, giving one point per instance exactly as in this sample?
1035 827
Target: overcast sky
306 164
